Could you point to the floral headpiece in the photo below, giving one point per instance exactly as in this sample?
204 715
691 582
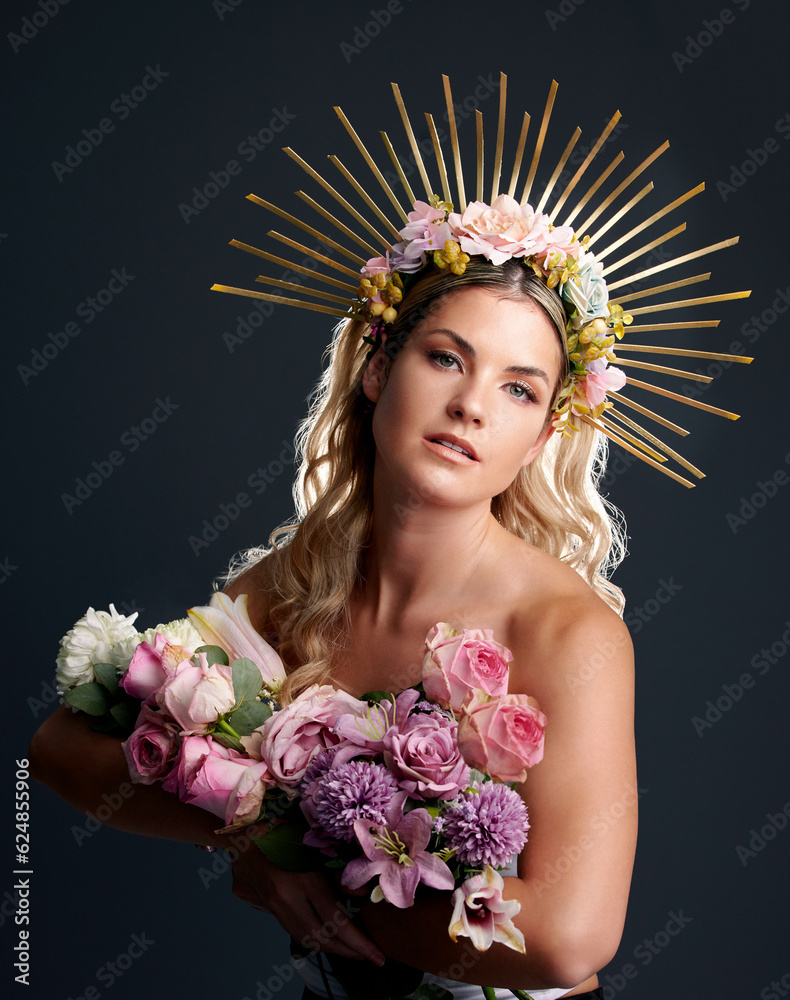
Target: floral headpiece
500 232
432 234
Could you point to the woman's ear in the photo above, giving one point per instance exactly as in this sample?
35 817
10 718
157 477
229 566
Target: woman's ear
539 443
373 377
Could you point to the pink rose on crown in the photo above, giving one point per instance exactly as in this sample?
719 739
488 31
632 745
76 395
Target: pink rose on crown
501 736
502 230
457 663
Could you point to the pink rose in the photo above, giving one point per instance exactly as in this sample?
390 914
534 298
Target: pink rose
196 695
295 734
149 748
502 230
150 666
423 755
219 780
454 665
599 380
502 736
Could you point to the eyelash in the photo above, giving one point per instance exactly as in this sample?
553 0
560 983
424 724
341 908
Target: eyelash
529 392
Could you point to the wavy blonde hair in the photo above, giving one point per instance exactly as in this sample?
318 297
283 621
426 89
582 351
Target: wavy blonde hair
313 561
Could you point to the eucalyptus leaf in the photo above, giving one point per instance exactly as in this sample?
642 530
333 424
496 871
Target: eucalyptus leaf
107 675
214 654
248 716
90 698
283 847
125 713
247 680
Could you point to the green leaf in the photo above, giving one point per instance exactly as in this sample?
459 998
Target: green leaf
283 847
228 741
107 675
378 696
214 654
247 680
90 698
125 713
248 716
431 991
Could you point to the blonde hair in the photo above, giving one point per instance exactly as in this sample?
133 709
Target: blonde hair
553 503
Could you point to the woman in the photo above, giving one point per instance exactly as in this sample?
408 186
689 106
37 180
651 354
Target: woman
434 489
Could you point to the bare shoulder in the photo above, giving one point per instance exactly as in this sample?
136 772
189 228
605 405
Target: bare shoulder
565 637
256 582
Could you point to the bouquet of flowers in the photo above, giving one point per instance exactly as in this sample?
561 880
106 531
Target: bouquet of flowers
397 790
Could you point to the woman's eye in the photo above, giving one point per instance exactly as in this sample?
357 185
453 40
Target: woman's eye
519 391
442 359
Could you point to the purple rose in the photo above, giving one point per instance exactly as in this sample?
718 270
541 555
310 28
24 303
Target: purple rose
423 755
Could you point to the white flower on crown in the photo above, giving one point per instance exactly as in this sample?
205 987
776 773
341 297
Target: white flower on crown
585 293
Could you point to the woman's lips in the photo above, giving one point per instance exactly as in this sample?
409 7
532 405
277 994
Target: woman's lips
445 451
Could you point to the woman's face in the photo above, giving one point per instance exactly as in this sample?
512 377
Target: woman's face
479 373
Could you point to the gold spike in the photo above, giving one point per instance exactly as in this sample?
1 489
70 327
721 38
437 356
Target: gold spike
649 222
313 253
459 174
610 199
632 438
479 135
622 212
660 368
638 253
437 147
315 275
336 195
658 289
280 300
649 328
648 413
673 263
398 168
656 441
635 451
707 355
412 141
558 170
308 229
683 399
500 138
294 287
324 213
372 164
364 195
522 141
591 191
539 144
702 301
587 161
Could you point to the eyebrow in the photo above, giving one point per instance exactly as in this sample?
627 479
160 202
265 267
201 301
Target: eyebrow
470 350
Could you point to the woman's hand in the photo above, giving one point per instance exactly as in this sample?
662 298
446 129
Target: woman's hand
304 904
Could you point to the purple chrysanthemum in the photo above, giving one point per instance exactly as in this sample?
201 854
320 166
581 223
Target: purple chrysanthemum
351 791
486 825
319 765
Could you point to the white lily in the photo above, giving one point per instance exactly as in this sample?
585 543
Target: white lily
226 623
481 914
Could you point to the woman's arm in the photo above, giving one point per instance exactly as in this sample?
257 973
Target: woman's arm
575 872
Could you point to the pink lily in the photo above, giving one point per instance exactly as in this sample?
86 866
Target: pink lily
396 853
226 623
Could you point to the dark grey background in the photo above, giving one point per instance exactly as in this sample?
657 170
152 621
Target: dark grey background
230 69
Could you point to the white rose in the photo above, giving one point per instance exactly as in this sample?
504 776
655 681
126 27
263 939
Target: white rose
99 637
180 632
589 297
